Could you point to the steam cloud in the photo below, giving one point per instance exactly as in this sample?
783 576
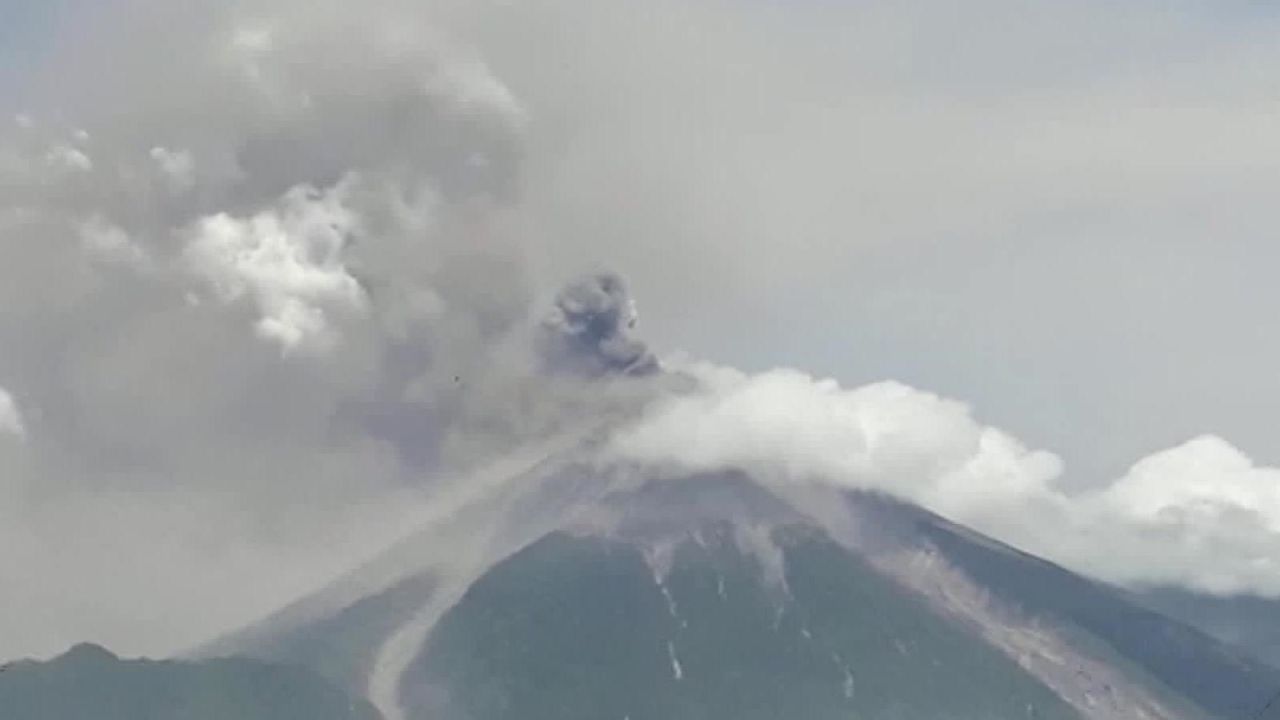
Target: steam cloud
292 250
1200 515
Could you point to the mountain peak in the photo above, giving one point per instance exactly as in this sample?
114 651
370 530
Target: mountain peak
86 652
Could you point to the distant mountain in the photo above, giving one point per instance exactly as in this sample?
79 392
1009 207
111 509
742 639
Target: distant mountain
1248 621
711 597
90 683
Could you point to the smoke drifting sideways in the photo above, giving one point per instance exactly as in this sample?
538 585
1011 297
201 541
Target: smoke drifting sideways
262 284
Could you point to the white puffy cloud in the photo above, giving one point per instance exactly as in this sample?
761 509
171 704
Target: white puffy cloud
787 427
288 260
1206 474
1200 515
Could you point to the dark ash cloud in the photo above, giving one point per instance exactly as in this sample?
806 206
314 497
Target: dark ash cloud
589 331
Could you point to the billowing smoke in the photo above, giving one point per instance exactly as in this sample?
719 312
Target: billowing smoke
288 261
275 254
590 330
1200 515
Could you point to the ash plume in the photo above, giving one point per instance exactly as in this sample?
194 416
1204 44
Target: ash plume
589 331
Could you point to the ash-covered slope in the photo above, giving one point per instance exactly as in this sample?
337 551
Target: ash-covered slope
90 682
1222 679
713 597
575 627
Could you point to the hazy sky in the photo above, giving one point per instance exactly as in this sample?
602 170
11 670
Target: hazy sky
1059 214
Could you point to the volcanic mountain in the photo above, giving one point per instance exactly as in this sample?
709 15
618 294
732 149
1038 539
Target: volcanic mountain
587 592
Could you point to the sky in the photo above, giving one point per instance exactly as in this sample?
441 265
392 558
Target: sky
248 255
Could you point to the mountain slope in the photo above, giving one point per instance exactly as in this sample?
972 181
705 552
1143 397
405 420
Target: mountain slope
1223 680
713 597
339 646
90 682
579 628
1247 621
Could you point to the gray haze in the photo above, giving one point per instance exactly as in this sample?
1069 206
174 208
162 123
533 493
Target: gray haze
269 268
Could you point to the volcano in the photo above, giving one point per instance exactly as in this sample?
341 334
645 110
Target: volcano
603 593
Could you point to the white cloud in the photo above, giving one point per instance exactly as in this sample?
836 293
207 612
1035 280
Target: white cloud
177 166
1200 515
785 426
1205 474
109 243
66 157
289 260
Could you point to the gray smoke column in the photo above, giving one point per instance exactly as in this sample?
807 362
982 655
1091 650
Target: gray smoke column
589 331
